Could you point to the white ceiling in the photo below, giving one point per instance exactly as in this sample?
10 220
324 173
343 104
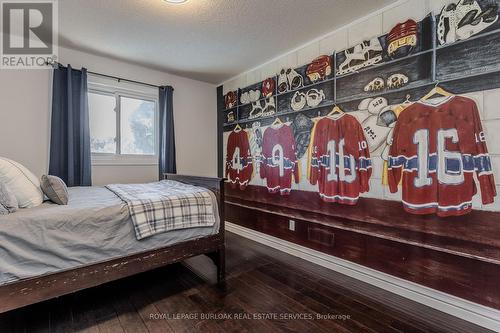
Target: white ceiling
208 40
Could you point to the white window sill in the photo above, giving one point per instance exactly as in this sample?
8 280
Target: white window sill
110 160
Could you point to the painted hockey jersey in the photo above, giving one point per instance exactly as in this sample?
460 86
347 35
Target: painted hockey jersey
340 161
279 161
239 166
256 146
385 152
437 147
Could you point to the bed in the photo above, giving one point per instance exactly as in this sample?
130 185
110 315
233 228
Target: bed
91 241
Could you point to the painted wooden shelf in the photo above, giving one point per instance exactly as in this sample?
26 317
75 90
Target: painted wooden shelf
385 63
230 109
431 74
280 114
458 42
408 87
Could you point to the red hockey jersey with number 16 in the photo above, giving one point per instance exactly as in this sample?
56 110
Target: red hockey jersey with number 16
437 147
340 161
279 161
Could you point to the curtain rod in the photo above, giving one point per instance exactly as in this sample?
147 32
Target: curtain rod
123 79
54 64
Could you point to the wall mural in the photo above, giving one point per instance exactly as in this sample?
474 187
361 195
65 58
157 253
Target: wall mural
335 111
374 155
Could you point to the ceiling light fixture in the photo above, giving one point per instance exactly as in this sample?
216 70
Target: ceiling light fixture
176 1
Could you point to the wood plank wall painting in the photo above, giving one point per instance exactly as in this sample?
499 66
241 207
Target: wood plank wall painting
300 145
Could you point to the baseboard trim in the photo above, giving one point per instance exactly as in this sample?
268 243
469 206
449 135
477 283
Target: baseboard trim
455 306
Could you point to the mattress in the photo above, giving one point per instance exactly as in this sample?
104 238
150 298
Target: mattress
95 226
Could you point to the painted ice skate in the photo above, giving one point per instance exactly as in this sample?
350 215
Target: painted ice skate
363 55
256 110
471 24
464 19
270 108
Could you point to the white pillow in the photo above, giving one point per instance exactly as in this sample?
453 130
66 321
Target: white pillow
24 184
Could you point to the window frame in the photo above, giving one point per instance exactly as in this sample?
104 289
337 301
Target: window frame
118 158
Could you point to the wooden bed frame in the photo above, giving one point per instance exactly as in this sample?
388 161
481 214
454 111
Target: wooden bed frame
33 290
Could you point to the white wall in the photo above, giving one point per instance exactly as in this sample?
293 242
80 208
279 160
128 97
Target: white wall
25 118
376 24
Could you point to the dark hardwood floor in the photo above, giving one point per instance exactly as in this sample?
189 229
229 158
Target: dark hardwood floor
286 293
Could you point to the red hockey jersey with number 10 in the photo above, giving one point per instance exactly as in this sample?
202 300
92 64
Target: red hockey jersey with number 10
279 161
340 161
436 148
239 166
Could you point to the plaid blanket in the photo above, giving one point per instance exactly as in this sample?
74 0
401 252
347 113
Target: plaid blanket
166 205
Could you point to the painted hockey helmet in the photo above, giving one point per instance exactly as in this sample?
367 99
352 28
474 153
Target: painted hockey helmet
387 117
375 135
230 99
268 87
376 105
314 97
363 105
298 101
230 117
402 39
302 127
319 68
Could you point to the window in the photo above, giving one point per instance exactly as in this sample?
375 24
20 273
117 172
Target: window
137 126
102 123
123 125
